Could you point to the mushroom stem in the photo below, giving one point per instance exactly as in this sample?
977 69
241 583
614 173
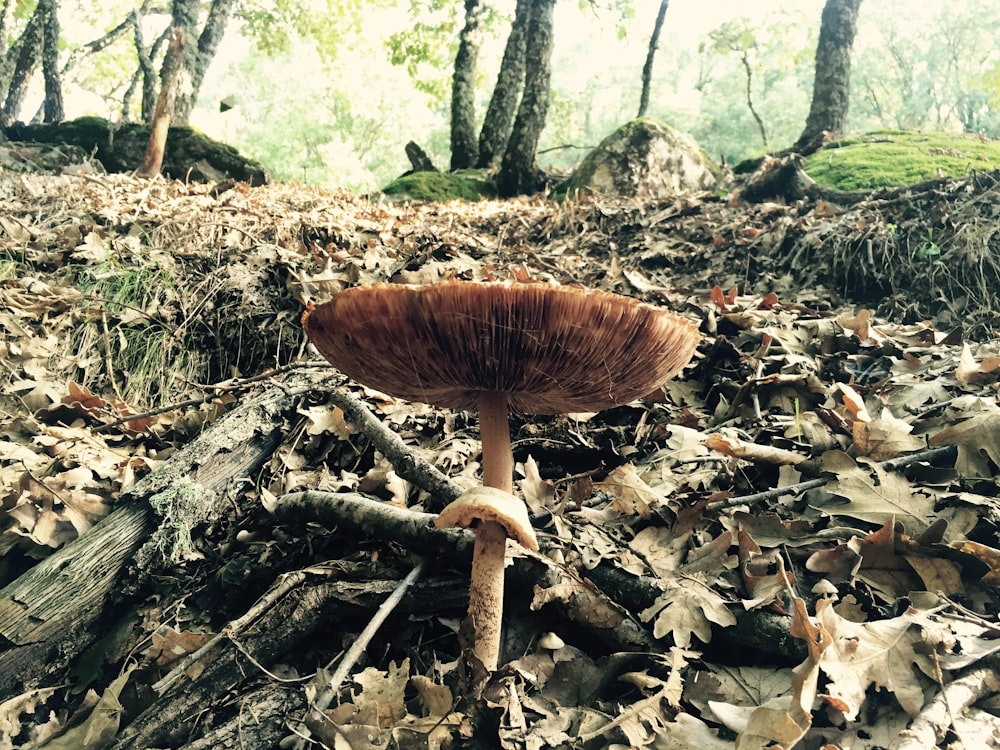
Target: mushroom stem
494 431
486 587
486 592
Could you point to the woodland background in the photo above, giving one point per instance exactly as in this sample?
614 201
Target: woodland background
328 93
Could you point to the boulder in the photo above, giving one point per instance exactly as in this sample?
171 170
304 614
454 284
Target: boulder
644 158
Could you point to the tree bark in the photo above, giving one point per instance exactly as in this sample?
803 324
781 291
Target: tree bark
647 68
27 50
464 146
831 85
519 173
53 105
500 114
197 57
48 615
172 78
146 72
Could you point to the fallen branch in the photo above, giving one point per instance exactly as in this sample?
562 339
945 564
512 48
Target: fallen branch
565 589
944 453
247 648
47 615
936 718
405 461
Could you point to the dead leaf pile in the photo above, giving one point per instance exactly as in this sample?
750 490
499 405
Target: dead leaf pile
800 530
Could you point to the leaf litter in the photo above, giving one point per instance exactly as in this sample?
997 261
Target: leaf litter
135 313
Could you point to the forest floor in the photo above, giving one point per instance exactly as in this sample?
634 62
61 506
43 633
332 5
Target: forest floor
795 541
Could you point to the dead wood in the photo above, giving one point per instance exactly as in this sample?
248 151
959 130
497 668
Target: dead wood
575 599
931 726
49 615
173 71
259 720
287 615
419 159
784 179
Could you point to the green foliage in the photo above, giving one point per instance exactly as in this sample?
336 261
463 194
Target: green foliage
936 73
894 158
149 358
778 49
427 48
441 186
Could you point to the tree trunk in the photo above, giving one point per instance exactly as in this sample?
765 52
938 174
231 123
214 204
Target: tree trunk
647 68
27 50
499 118
50 63
519 173
464 146
831 85
172 79
197 57
6 60
146 72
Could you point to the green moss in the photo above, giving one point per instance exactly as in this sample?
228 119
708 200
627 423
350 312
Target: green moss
892 158
441 186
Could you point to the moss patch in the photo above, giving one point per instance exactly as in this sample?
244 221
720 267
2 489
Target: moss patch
441 186
891 158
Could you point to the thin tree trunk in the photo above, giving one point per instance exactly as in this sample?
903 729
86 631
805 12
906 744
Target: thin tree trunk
647 68
53 104
172 76
6 16
519 173
208 44
197 57
146 73
27 50
464 146
500 114
831 85
749 71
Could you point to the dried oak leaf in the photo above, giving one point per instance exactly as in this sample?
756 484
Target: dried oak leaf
874 494
978 441
882 653
688 608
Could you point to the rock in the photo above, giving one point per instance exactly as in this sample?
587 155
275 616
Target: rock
644 158
190 155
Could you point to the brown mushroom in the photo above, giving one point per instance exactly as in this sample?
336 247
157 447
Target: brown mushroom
498 347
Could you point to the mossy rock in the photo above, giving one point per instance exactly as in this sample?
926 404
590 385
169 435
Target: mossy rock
644 158
894 158
440 187
188 154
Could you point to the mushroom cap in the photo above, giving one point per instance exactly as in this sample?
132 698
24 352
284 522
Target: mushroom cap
490 504
553 349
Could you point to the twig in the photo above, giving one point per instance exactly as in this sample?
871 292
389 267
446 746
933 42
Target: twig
931 725
945 452
404 460
412 529
576 599
282 586
357 648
